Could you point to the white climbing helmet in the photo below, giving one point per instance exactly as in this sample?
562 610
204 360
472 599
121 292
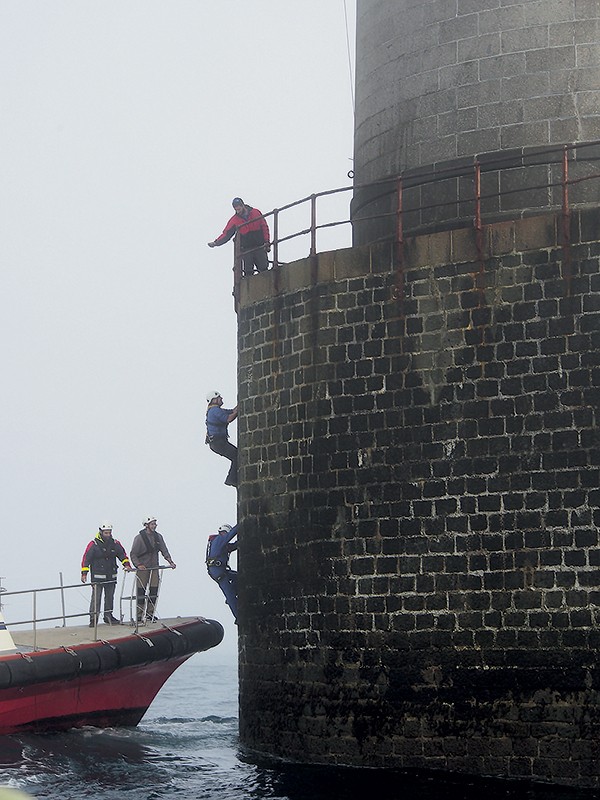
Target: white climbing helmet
225 528
212 395
148 520
105 526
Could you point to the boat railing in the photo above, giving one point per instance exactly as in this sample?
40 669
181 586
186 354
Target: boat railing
70 609
145 607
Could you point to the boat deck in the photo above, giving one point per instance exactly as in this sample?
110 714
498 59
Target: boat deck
50 638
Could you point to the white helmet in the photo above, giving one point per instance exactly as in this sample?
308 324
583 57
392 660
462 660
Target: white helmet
105 526
148 520
212 395
225 528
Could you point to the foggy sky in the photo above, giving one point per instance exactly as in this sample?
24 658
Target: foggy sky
127 128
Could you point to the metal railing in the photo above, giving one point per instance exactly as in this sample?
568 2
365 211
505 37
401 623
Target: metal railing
470 200
127 603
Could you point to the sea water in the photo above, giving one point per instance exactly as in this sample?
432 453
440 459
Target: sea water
187 747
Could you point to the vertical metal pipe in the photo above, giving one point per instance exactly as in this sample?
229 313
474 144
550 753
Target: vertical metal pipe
313 225
477 183
95 606
399 211
275 238
565 188
479 278
566 221
34 617
62 600
399 288
237 271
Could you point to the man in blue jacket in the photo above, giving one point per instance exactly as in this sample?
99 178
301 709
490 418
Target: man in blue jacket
217 437
219 548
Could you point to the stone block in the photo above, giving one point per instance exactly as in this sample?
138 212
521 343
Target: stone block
500 238
479 47
503 18
523 38
256 288
535 233
502 66
428 250
464 246
352 263
479 141
459 27
549 59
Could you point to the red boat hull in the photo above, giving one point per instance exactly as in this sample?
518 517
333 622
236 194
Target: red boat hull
111 700
50 690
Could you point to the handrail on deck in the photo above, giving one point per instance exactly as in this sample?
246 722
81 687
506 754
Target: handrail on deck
399 185
63 616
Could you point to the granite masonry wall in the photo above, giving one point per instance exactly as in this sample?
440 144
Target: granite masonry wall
420 504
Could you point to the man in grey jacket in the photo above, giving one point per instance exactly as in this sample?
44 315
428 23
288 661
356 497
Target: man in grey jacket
144 557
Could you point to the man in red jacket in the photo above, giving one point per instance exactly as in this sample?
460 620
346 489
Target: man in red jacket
254 236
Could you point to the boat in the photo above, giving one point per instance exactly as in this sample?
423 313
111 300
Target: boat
71 676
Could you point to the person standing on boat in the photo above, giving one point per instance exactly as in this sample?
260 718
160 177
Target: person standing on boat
220 546
144 556
100 559
217 437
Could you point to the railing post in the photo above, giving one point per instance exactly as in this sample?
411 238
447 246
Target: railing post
477 182
478 225
34 616
275 238
313 224
566 221
399 288
237 271
62 600
95 605
566 213
399 213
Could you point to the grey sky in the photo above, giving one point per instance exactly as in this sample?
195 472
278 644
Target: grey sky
127 127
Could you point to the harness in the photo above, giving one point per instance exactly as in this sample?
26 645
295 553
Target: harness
211 437
146 540
214 562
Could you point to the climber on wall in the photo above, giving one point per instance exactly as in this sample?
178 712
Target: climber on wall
217 437
219 548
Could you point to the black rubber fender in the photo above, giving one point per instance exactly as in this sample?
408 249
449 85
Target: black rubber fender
102 657
5 675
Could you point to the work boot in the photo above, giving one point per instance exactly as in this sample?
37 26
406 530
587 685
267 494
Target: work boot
110 620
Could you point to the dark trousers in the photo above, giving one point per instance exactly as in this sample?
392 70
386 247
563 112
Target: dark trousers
109 597
223 447
255 258
148 582
227 580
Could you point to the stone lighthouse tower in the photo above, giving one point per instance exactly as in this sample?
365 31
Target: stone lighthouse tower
419 422
442 82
